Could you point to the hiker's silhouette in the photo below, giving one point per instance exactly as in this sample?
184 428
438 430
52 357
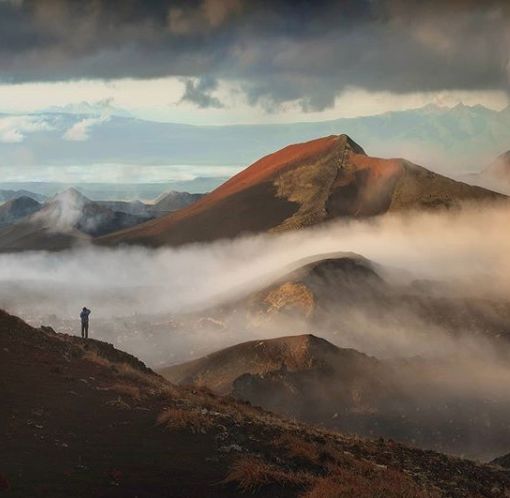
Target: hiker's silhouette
84 315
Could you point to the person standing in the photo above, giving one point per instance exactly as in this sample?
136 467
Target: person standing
84 315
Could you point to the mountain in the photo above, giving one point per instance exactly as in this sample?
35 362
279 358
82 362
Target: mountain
495 176
173 201
303 185
317 287
111 192
67 219
9 195
332 292
449 140
221 370
164 204
137 208
416 401
71 209
75 413
497 173
436 400
17 208
500 168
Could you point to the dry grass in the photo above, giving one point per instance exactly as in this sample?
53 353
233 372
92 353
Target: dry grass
158 384
381 484
128 372
250 474
295 447
93 357
341 476
128 390
179 419
235 409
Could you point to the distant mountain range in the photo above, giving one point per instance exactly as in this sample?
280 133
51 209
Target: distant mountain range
449 140
173 201
113 191
9 195
71 218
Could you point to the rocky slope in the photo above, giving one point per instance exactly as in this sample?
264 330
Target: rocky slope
173 201
218 371
80 418
419 401
448 400
341 295
302 185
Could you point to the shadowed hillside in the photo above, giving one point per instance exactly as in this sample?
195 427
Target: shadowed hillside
83 419
17 208
219 370
428 402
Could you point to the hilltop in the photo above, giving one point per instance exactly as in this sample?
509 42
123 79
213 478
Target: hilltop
219 370
303 185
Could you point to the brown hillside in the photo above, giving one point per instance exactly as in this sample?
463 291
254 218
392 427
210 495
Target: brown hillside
423 401
82 419
219 370
302 185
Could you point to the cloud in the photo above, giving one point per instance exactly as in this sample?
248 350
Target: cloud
199 91
80 131
13 129
135 282
279 52
63 211
198 275
209 15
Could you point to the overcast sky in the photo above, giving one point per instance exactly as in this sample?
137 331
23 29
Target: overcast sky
229 61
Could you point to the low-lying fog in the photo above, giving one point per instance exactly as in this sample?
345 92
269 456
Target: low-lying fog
129 287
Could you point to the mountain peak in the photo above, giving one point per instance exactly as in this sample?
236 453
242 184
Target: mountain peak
302 185
433 108
294 353
71 194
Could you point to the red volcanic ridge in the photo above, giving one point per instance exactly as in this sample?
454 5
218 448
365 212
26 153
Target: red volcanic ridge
302 185
266 167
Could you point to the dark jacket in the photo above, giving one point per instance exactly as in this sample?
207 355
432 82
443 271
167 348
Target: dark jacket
84 315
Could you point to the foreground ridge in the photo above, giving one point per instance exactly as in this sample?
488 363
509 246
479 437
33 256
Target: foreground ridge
77 413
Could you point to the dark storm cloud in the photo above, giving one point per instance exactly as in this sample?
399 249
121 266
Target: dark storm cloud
276 50
199 92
